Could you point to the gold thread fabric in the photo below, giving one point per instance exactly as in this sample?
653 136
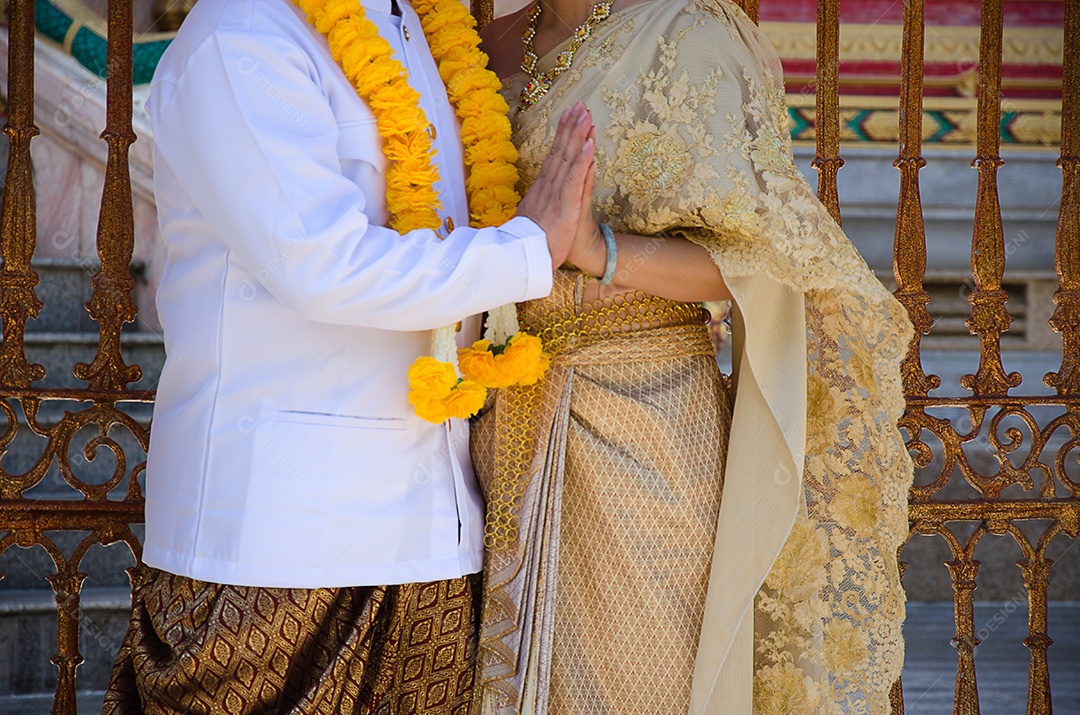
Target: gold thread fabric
195 647
692 140
644 467
598 607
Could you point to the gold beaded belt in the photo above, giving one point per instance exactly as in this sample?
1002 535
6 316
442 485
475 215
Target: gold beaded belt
630 327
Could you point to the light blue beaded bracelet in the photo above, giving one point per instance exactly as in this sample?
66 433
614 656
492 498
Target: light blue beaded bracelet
612 254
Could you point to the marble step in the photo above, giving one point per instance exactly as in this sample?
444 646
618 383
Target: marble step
59 351
28 640
1001 661
64 288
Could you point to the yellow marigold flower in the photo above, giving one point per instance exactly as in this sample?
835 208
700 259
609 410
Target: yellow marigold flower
466 399
443 42
428 408
473 79
356 57
412 221
490 215
491 150
400 122
353 46
348 31
493 206
501 194
402 186
469 57
311 6
524 359
473 129
522 362
451 38
487 174
459 58
333 11
432 377
410 146
478 363
447 14
399 100
482 103
377 76
537 370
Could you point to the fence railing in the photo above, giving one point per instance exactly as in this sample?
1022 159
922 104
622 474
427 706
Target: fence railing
28 521
938 427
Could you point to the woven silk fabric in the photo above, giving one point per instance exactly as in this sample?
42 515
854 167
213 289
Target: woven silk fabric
599 608
196 647
804 606
644 463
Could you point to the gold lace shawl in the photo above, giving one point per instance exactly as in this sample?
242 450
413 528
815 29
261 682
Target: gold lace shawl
693 140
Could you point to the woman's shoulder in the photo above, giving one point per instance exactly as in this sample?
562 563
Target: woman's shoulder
501 42
700 18
710 28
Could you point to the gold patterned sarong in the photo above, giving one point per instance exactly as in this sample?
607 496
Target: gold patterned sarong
202 648
618 522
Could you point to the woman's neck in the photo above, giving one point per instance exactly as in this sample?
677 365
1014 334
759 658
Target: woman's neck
564 15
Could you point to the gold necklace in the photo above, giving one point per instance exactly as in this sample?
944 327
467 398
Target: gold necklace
540 83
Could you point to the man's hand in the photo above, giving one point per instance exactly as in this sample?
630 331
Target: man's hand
556 199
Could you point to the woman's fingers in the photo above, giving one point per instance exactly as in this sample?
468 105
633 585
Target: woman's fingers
580 126
587 193
561 160
559 143
563 145
588 252
573 185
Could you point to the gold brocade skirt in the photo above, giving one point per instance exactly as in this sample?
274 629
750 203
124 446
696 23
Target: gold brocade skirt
632 467
194 647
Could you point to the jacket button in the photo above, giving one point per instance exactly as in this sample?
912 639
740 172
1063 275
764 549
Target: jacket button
432 132
406 31
449 224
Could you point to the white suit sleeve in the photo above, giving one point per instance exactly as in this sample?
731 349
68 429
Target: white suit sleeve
271 185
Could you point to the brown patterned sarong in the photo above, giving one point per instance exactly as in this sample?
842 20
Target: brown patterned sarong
198 647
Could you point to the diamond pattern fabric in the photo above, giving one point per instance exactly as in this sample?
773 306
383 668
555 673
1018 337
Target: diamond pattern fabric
598 607
203 648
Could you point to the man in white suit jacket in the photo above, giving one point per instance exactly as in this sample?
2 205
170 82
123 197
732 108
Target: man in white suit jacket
290 488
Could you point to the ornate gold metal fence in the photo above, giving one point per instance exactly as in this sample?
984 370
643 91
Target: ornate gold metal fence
1050 499
27 521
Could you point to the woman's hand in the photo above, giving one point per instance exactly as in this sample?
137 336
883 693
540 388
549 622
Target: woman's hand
589 251
556 198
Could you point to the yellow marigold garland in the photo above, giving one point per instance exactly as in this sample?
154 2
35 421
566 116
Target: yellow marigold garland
436 392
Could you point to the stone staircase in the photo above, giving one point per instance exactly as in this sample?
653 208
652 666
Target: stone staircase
63 335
